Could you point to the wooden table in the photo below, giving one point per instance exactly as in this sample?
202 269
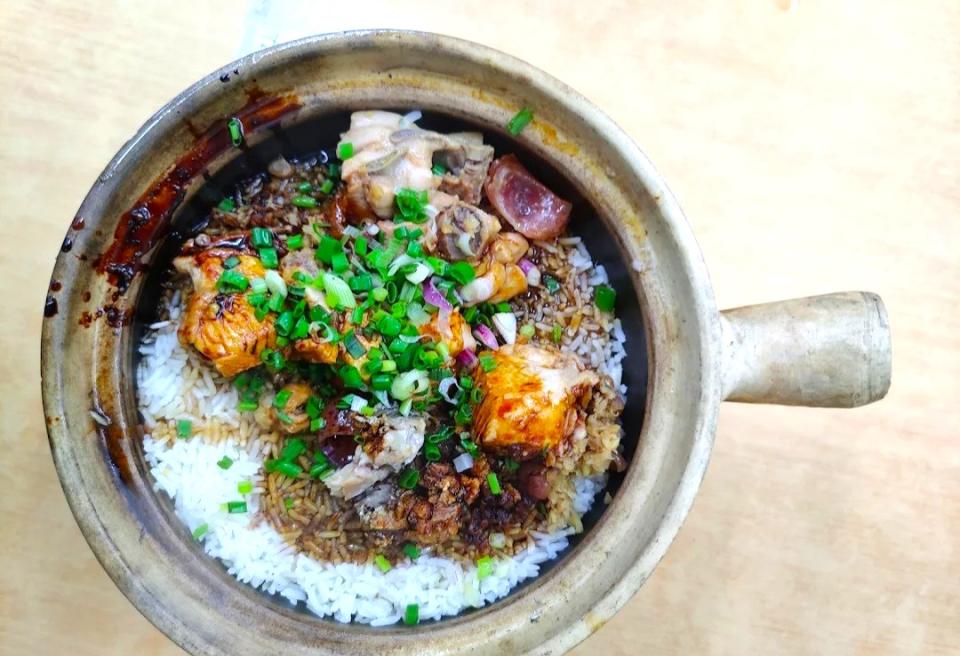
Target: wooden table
815 147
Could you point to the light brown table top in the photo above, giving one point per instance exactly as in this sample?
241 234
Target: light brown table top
815 147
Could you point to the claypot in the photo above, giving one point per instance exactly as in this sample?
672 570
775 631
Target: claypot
686 357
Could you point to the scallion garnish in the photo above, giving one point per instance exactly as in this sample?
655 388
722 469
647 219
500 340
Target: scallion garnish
510 465
438 169
411 616
338 291
295 242
494 483
245 487
604 297
551 283
235 128
227 205
232 281
469 445
350 376
411 205
231 262
520 121
247 405
268 256
527 331
382 563
288 503
184 428
225 462
408 479
488 362
200 531
461 272
261 237
326 187
484 567
345 150
411 550
307 202
304 187
236 507
557 333
431 452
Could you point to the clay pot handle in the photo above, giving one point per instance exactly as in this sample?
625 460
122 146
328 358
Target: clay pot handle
828 351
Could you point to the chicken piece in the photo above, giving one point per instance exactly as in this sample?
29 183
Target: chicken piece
533 400
223 327
391 446
451 329
464 232
499 277
466 159
387 157
304 263
292 418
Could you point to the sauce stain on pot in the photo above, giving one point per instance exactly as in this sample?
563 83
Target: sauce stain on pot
146 222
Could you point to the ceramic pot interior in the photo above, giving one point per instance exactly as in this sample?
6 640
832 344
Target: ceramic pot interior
316 136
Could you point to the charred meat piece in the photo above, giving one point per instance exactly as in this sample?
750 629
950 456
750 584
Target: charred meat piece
466 159
437 517
222 326
464 232
533 400
533 210
385 450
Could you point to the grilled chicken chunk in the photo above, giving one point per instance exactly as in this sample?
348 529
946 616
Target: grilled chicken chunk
450 329
388 155
222 327
384 452
499 277
533 400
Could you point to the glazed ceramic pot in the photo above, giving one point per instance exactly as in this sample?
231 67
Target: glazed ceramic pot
685 356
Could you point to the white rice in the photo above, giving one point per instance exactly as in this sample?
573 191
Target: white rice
173 384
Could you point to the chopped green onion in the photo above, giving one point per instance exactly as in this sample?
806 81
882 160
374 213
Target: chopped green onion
275 283
412 205
389 326
488 362
247 405
236 507
484 567
304 187
409 383
261 237
461 272
353 345
258 286
520 121
404 408
284 323
431 452
527 330
361 283
301 329
307 202
293 449
322 467
227 205
494 483
327 248
469 446
231 281
231 261
235 127
295 242
345 150
408 479
288 503
225 462
333 171
338 290
438 169
288 469
411 550
269 258
280 400
510 465
350 376
551 283
326 187
411 616
557 333
381 382
184 428
604 297
200 531
245 487
382 563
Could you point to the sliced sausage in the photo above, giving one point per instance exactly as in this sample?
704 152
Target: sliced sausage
532 209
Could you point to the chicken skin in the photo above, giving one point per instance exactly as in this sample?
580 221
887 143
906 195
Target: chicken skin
533 400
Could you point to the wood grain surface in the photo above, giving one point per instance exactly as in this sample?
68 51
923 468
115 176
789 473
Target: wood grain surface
815 147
